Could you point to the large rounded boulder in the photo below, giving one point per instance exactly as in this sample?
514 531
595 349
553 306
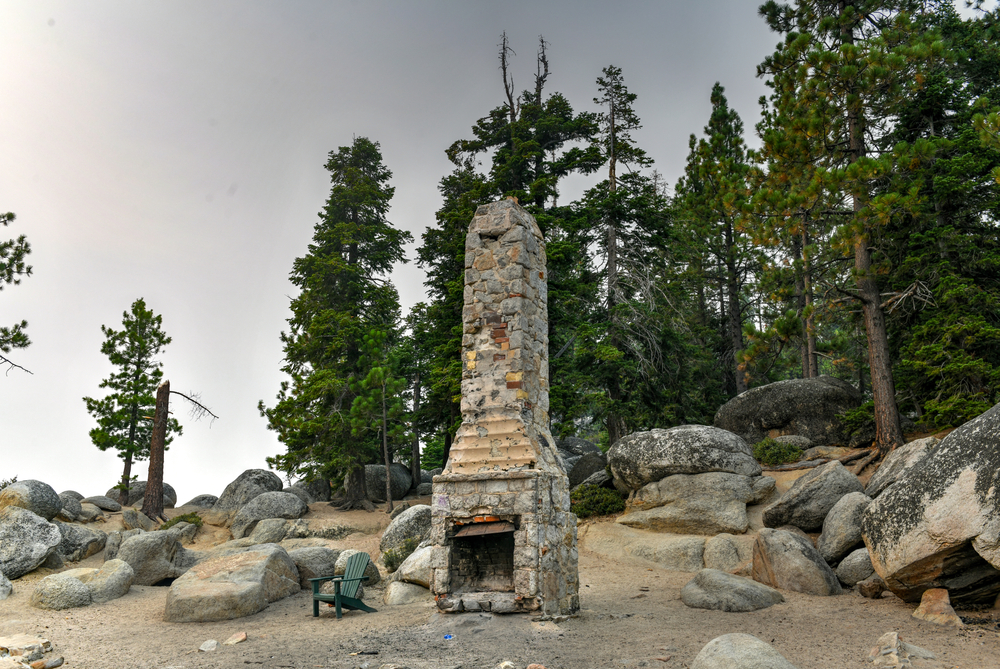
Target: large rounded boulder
153 556
232 586
806 407
26 539
414 524
400 481
35 496
811 497
711 503
245 487
787 561
78 542
739 651
267 505
897 463
938 525
646 457
137 492
571 449
712 589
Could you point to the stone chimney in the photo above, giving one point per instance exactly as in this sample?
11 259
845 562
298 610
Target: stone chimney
505 347
504 536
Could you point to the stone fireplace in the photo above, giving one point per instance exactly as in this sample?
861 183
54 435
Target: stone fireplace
504 537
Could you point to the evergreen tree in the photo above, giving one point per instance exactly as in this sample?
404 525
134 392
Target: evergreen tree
535 140
941 258
620 208
851 62
344 295
123 414
378 406
12 268
711 196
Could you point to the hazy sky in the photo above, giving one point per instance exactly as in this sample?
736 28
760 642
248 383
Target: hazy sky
174 151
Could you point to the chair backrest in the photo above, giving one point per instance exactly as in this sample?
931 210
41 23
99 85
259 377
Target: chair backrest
356 565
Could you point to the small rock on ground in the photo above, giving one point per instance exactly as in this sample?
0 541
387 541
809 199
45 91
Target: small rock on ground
209 646
891 651
935 607
239 637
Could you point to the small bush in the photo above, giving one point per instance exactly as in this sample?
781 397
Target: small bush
859 421
592 500
192 518
6 482
395 556
771 452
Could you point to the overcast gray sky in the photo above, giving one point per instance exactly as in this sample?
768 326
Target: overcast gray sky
174 151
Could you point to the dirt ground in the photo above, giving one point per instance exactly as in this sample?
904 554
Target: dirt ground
631 616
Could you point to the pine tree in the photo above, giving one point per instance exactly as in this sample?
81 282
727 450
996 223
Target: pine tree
942 257
378 406
712 195
123 415
12 268
536 139
851 63
344 295
618 208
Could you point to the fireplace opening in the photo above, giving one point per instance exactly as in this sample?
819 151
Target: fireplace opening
483 562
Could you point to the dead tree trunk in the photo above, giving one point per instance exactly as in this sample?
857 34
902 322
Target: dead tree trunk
415 451
152 503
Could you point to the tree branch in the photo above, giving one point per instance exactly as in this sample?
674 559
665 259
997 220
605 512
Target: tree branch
13 365
199 409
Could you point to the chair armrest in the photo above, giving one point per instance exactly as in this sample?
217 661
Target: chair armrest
340 578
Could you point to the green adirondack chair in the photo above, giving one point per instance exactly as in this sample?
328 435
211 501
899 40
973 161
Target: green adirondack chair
345 587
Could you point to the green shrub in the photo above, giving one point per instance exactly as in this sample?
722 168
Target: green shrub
192 518
771 452
395 556
859 421
6 482
592 500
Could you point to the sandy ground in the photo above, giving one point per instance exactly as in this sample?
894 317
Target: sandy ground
631 616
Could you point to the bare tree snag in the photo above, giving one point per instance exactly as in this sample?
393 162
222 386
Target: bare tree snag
152 503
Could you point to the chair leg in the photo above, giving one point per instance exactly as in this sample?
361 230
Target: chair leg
337 604
315 608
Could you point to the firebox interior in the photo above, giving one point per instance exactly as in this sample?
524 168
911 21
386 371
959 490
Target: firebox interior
483 562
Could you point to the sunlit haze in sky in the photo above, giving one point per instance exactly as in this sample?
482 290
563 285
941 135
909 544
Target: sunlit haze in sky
174 151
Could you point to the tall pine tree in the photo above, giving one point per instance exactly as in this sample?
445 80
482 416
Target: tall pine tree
344 295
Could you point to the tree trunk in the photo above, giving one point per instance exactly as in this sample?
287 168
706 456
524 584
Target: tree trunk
357 494
126 479
888 433
735 321
446 452
800 304
415 451
388 460
152 503
127 475
808 294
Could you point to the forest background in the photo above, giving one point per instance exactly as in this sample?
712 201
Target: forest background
870 190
